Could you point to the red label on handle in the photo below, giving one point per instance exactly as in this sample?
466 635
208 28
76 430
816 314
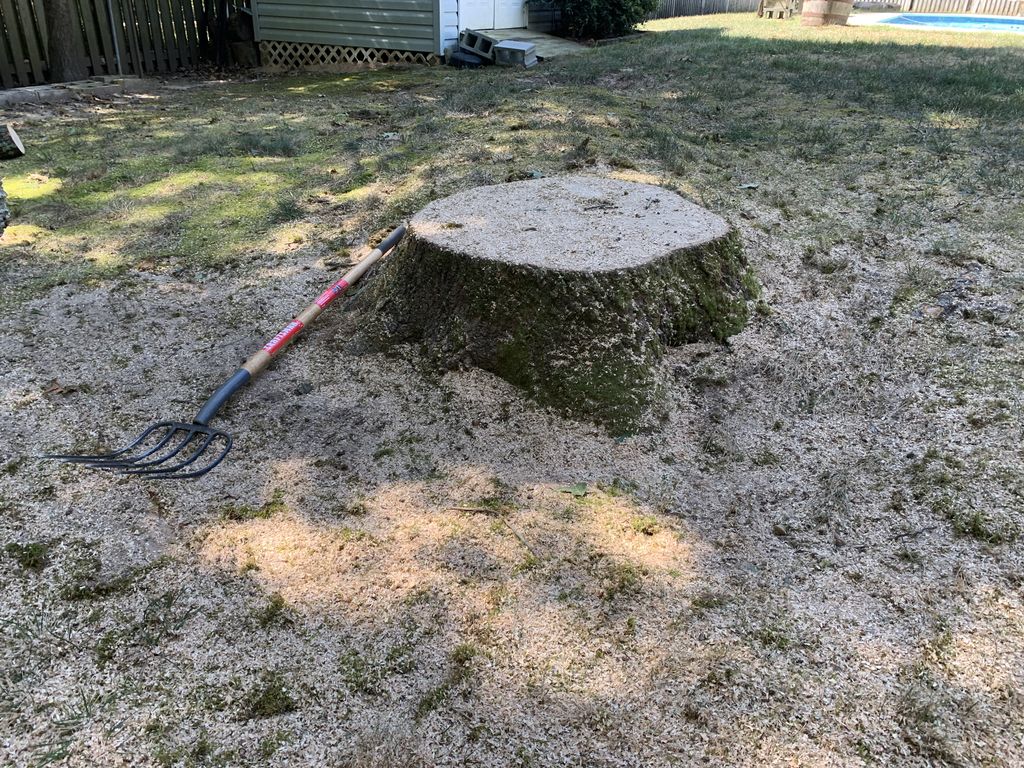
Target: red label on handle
331 293
274 345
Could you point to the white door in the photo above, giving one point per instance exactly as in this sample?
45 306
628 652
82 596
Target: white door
509 14
476 14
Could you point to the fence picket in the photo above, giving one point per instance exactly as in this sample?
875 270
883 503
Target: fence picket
124 56
177 13
105 39
156 36
131 30
148 49
191 35
87 20
11 22
164 14
34 49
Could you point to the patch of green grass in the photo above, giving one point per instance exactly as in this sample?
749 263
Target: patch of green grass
648 525
12 466
357 508
498 505
979 525
367 672
200 752
460 672
241 512
927 715
33 556
622 579
269 697
529 562
274 613
618 487
83 578
55 745
773 635
286 209
996 411
269 745
272 141
708 601
910 556
358 674
955 250
766 458
106 647
164 617
917 282
935 480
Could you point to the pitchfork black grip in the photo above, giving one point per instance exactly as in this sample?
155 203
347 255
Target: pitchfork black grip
238 380
391 240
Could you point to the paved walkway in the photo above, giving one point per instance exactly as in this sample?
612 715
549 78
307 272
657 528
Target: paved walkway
548 46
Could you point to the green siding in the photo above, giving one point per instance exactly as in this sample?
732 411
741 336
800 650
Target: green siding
399 25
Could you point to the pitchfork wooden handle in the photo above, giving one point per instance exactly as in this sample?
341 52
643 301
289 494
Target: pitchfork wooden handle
258 362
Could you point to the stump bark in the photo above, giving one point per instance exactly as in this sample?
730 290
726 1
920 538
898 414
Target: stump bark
568 287
5 212
10 143
10 148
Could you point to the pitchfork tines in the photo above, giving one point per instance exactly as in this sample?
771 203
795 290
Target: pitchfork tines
166 450
175 449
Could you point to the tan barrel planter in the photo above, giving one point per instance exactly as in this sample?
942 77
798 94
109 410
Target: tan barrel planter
838 12
819 13
814 13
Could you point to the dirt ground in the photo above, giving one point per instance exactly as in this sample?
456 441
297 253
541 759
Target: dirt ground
815 561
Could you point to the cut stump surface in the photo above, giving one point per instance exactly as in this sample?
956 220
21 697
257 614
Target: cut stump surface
569 287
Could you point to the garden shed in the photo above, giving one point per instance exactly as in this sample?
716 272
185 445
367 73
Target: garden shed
323 33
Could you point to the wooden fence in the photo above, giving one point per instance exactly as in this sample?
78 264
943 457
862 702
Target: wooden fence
130 37
669 8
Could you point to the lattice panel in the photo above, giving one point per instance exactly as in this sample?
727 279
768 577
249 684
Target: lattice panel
277 55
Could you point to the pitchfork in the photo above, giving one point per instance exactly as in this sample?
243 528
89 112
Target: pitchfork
174 449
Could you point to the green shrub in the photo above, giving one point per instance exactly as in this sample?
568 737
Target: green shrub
599 19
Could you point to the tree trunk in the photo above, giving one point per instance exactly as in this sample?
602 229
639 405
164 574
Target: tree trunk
570 288
64 52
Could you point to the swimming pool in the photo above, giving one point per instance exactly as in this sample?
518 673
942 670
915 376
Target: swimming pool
955 22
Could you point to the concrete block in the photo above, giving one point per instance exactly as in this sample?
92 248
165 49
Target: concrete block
514 53
477 43
463 60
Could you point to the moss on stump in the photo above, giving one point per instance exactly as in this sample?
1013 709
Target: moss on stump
568 287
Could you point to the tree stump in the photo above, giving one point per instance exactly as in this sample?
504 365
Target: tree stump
10 148
5 212
569 287
10 144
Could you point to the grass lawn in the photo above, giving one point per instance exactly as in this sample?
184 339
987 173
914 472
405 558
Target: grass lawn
815 562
